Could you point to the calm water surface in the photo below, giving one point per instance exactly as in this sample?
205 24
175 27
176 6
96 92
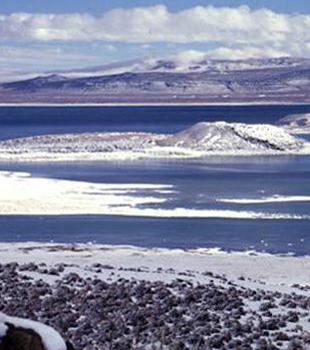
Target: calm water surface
197 183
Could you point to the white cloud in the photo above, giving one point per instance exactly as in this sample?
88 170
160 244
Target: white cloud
191 57
250 31
226 53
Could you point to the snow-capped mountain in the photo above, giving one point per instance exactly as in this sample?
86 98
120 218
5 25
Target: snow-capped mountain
200 140
179 65
254 80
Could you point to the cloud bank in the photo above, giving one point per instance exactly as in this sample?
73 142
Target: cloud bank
237 31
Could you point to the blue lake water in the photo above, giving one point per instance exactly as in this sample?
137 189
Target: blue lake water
24 121
197 183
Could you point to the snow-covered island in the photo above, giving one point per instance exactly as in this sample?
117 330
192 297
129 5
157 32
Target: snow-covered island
296 123
200 140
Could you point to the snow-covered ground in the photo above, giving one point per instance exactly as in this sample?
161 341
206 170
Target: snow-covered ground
95 287
251 269
202 139
296 123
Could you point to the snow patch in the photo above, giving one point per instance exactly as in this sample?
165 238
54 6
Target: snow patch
50 337
3 330
271 199
25 195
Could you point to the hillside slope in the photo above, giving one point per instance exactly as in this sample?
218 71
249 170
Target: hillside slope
273 80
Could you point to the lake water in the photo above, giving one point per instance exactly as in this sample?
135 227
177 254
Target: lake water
234 184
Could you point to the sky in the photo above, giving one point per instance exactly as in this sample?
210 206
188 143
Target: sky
40 35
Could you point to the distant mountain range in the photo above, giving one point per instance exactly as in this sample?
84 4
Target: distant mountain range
279 80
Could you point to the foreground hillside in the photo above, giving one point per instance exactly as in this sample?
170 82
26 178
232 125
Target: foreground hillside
105 297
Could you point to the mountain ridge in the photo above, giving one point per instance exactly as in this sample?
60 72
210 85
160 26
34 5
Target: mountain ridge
282 79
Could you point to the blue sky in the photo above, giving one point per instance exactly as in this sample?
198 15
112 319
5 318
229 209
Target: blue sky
100 6
54 34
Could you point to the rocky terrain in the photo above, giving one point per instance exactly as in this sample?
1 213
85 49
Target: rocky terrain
281 80
203 139
98 314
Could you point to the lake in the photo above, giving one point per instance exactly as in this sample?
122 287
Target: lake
271 188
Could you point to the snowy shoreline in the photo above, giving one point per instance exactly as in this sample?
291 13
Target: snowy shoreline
268 271
157 104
